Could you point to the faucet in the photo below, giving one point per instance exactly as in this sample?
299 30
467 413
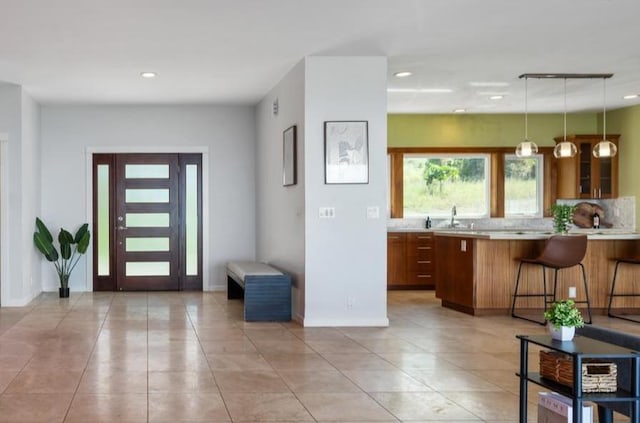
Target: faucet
454 212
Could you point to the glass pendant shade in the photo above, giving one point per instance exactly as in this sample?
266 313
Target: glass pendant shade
565 149
605 148
526 149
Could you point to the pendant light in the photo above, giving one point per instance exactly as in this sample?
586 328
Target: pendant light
604 148
526 148
565 148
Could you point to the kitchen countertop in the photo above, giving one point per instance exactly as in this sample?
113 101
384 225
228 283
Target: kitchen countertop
523 234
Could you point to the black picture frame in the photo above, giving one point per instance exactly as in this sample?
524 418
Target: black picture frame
289 156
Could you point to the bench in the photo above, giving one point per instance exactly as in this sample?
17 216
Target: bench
266 290
606 409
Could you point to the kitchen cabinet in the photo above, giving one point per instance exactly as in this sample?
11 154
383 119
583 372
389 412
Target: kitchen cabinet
585 176
455 272
396 259
410 260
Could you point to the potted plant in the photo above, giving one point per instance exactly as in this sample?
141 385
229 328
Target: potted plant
563 317
71 249
562 217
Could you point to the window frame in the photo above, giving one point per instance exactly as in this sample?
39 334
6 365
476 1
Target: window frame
497 162
487 174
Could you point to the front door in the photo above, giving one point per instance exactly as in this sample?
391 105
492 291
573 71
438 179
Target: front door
153 229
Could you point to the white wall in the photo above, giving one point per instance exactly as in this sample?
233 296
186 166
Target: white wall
31 165
280 210
227 132
346 256
19 120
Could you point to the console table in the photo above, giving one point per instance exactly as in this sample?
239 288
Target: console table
579 349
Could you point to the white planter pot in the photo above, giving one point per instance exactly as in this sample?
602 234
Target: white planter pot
563 333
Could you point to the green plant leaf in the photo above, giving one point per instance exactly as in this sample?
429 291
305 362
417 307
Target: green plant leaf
42 229
83 243
53 256
65 237
564 313
45 246
80 232
65 251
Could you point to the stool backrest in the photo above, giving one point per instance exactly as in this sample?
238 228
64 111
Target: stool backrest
562 251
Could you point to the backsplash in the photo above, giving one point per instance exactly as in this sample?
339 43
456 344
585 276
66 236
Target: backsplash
619 212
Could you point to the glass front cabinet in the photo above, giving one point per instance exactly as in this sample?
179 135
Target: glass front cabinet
585 176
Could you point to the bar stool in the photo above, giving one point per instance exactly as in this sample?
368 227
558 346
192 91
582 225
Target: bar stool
634 260
559 252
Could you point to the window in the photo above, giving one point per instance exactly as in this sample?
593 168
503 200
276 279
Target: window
434 183
522 186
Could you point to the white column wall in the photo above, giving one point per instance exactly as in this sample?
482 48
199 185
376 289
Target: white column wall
280 210
227 132
19 120
31 194
345 257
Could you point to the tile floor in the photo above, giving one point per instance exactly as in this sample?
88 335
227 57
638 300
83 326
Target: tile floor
189 357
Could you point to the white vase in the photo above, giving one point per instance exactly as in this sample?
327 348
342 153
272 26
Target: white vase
563 333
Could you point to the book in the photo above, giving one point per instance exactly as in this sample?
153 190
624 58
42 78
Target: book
556 408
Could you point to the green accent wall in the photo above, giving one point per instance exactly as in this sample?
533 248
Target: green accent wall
626 122
482 130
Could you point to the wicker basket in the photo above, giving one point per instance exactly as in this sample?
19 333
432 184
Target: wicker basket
597 376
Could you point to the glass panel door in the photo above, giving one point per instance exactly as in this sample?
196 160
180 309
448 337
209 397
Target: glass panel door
147 222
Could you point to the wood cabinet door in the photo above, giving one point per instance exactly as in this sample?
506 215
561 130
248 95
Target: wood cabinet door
455 271
586 176
396 258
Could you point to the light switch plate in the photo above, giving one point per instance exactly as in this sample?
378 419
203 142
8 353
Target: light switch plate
373 212
327 212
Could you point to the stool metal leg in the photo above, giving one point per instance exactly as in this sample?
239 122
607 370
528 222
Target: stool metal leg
613 287
586 292
515 294
544 294
613 294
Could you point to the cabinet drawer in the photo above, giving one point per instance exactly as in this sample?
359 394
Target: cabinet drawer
421 278
422 238
419 254
424 266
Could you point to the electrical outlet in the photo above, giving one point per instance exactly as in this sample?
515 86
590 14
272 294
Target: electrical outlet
350 302
463 245
572 292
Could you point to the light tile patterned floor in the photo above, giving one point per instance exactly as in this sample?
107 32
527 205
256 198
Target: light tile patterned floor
172 357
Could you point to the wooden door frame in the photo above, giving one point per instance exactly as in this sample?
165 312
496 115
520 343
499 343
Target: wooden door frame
202 150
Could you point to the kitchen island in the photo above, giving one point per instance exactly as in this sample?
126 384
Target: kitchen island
475 270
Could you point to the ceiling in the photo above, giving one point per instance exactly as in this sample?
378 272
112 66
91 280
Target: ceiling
235 51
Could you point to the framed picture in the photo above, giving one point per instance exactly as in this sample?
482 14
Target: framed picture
346 152
289 165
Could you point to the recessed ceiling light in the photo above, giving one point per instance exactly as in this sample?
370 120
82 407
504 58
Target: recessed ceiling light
496 97
459 110
402 74
420 90
631 96
148 74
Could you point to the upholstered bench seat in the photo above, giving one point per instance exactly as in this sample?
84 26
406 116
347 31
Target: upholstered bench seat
265 289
